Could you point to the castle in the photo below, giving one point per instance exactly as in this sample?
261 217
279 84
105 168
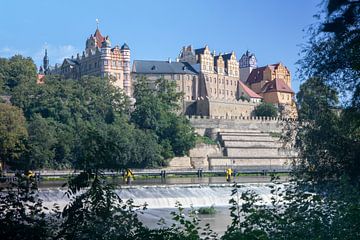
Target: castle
98 59
216 85
219 85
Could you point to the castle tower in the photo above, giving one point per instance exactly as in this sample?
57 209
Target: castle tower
125 55
105 57
46 63
247 63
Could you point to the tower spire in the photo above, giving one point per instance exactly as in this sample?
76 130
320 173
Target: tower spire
46 62
97 23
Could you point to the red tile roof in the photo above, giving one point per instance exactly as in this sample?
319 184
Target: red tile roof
256 75
248 91
276 85
99 38
40 79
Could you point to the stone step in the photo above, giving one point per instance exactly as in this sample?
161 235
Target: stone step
250 163
239 131
251 152
255 144
243 134
246 138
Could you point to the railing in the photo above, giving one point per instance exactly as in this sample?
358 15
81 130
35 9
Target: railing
240 118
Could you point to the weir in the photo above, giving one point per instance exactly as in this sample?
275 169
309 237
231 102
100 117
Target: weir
164 196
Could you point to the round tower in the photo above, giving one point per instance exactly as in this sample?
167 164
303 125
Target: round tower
125 55
105 57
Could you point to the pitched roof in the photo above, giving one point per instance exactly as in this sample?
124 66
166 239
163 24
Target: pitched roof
276 85
248 91
70 61
199 51
99 38
162 67
256 75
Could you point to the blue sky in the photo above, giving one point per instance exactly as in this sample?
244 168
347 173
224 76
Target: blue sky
157 29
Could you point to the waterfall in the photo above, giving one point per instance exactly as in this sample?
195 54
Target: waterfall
166 196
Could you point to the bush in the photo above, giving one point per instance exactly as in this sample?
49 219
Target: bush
265 110
207 210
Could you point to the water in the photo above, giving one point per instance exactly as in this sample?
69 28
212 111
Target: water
190 192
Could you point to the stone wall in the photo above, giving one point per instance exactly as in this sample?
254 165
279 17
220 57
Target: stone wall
225 108
209 126
199 155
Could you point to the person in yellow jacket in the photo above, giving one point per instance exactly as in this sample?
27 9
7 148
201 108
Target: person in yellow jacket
228 174
128 176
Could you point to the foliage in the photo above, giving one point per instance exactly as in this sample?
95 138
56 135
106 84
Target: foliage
15 71
207 210
265 110
22 215
13 133
205 140
155 111
328 139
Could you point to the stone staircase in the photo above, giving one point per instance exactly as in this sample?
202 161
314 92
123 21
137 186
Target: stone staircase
250 150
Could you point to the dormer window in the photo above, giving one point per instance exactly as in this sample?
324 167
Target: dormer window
153 68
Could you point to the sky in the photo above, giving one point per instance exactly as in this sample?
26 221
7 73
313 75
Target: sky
157 29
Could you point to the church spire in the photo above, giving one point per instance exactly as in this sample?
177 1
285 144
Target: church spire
46 62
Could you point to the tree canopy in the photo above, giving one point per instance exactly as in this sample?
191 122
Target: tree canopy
265 110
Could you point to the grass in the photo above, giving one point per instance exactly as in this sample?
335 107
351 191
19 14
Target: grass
207 210
205 140
275 134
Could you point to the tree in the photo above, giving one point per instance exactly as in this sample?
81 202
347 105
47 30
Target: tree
13 133
329 142
17 70
156 111
265 110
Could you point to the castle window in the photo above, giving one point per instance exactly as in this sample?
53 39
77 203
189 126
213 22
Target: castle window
227 82
113 64
210 90
227 92
231 82
95 65
188 88
214 90
105 62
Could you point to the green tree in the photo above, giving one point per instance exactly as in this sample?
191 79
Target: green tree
331 64
265 110
13 133
156 110
17 70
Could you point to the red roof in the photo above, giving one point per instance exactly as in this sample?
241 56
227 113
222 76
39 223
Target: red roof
248 91
40 78
99 37
256 75
276 85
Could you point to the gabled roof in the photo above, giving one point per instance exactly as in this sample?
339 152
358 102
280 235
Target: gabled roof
276 85
248 91
99 38
162 67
